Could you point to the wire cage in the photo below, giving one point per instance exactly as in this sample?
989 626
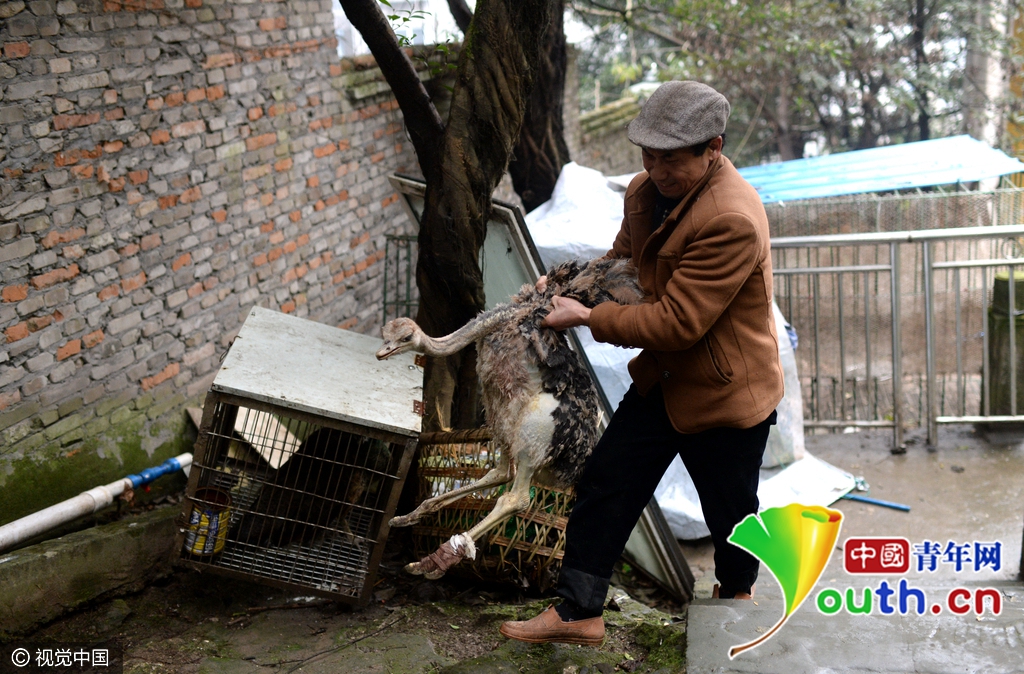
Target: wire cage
525 549
297 493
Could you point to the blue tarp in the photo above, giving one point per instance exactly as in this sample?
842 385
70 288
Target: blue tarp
943 161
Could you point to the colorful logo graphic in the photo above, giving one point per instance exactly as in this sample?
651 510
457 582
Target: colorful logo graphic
794 542
873 555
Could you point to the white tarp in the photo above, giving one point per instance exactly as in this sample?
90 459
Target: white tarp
580 221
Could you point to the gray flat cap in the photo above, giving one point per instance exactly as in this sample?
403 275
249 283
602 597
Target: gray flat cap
679 114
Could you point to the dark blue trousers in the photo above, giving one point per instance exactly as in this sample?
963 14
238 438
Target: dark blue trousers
621 476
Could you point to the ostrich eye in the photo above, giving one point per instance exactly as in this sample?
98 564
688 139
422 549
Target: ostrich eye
407 338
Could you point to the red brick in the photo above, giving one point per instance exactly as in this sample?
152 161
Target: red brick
110 96
289 276
83 171
113 146
344 144
196 290
55 276
259 260
53 238
16 332
277 237
283 165
377 158
257 142
193 4
315 125
209 282
266 199
267 227
319 205
8 399
108 293
274 253
288 307
190 195
215 92
173 99
133 282
303 240
195 95
290 247
348 323
159 137
93 338
276 23
129 250
138 177
155 104
255 172
301 270
335 70
327 256
220 216
69 349
114 114
17 50
313 181
182 261
219 61
116 184
171 370
315 263
254 114
188 128
167 201
325 150
151 241
15 293
37 323
62 122
295 216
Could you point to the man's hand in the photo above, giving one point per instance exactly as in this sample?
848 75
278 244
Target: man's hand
566 313
542 284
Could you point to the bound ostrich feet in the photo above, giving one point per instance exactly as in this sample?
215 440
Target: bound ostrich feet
451 552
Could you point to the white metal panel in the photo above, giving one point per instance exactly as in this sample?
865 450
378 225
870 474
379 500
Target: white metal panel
303 365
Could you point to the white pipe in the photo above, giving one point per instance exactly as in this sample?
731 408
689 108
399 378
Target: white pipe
84 504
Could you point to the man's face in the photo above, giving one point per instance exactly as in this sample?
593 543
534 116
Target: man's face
674 172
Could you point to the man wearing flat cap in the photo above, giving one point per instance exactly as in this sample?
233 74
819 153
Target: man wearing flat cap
708 379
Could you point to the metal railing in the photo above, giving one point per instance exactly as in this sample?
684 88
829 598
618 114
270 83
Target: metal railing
898 283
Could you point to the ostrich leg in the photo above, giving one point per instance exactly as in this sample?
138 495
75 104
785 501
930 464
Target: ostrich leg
529 451
498 475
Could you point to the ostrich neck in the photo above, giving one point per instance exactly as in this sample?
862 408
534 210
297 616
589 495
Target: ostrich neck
481 326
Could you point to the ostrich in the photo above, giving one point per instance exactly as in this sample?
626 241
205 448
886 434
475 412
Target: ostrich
540 402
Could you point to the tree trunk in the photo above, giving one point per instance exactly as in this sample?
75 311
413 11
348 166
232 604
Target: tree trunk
541 151
499 56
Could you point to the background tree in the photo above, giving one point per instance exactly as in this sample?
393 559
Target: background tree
462 161
846 74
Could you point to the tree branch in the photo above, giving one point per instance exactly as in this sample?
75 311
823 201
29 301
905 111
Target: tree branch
421 117
462 13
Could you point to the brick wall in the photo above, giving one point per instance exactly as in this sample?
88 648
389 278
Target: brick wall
167 164
603 144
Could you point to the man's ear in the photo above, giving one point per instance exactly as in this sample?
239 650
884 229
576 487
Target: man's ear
715 147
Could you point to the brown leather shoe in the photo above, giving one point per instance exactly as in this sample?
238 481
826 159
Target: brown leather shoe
738 595
548 627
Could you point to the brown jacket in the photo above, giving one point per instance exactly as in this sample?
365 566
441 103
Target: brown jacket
706 327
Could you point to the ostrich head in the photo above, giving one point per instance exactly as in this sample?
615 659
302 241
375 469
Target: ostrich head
400 335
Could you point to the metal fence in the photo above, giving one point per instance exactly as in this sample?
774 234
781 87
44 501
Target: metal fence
897 212
905 328
400 294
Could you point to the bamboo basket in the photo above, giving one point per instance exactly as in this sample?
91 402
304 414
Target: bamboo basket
524 549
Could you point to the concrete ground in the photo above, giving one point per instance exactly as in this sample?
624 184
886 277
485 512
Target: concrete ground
968 490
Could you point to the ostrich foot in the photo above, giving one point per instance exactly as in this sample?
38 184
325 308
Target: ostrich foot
451 552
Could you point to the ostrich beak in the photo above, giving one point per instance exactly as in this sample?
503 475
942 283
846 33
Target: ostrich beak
384 352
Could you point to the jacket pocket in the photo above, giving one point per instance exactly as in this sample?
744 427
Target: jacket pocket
666 266
720 371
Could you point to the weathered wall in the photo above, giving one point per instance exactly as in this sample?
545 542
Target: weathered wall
603 142
166 164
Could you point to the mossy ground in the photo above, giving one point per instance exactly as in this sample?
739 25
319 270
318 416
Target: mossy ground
190 623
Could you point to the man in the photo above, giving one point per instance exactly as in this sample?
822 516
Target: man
708 379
